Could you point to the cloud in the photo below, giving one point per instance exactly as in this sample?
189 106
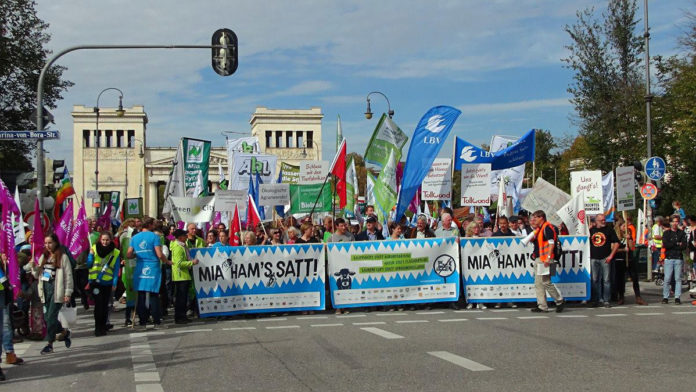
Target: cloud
487 108
306 88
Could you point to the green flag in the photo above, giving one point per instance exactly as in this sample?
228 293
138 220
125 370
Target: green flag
386 138
302 198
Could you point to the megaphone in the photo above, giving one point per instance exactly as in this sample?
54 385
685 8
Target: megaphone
525 241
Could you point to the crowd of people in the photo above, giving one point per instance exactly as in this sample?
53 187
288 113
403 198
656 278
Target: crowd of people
145 264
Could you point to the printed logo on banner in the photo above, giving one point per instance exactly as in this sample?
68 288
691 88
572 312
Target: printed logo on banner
195 151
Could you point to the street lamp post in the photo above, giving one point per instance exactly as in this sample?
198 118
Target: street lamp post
304 150
368 112
97 140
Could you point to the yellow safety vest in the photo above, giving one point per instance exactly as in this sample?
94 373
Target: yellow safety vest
99 266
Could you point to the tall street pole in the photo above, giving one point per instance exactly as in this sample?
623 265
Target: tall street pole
648 101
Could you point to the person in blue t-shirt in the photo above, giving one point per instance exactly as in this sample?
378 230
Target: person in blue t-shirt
146 248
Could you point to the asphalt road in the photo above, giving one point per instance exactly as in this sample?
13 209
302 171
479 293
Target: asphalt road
624 348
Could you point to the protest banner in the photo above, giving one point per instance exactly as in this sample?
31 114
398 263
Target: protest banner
393 272
193 209
291 173
196 154
573 215
232 280
546 197
387 137
246 165
302 198
476 180
625 188
133 208
437 184
274 194
313 172
245 145
501 269
589 182
226 200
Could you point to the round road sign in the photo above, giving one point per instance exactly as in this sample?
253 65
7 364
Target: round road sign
648 191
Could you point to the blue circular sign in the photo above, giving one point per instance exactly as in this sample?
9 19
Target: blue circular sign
655 168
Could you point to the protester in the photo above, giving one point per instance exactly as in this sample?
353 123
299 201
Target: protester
544 243
603 246
55 276
421 230
181 275
128 265
293 234
371 233
625 262
192 239
674 242
656 242
250 239
276 238
328 228
223 240
211 237
473 230
447 228
6 329
397 232
503 228
341 234
103 262
517 228
307 230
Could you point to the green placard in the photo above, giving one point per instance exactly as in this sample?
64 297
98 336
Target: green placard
302 198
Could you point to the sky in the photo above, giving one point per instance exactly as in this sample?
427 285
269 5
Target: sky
498 61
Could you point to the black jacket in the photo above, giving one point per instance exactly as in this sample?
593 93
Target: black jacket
362 236
674 243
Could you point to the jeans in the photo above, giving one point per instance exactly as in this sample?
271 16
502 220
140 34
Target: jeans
181 299
51 310
672 266
7 327
154 307
601 284
656 258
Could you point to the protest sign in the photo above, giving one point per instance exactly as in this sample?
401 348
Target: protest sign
291 173
133 208
274 194
313 172
625 188
393 272
258 279
193 209
501 269
196 155
573 215
546 197
589 182
303 197
437 184
476 180
248 165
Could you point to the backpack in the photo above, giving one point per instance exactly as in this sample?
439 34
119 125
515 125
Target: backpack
557 247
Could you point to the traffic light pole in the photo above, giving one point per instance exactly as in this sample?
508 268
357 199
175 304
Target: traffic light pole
648 101
41 174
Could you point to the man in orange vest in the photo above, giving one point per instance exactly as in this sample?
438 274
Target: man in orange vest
544 242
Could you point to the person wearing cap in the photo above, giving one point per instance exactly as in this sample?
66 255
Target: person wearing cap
181 275
518 228
371 233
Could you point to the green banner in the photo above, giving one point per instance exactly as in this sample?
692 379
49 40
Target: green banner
133 208
302 198
351 188
291 173
386 138
196 158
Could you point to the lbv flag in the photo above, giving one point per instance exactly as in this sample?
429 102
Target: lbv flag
514 155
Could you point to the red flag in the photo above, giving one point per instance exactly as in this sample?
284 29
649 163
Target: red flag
253 217
235 228
338 169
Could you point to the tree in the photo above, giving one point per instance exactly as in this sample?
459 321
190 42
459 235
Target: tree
575 151
607 86
22 53
545 156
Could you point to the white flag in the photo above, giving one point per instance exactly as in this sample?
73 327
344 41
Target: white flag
199 185
641 227
18 222
175 185
502 197
608 193
573 215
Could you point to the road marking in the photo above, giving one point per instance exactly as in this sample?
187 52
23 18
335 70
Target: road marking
617 307
491 318
646 306
411 321
683 312
611 315
238 328
272 319
194 330
144 367
239 321
468 311
371 323
649 314
452 320
391 314
147 377
460 361
145 334
504 310
284 327
532 317
382 333
327 325
427 313
572 316
312 317
351 315
21 348
149 388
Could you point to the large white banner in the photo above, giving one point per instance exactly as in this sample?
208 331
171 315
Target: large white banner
244 145
589 182
374 273
625 188
313 172
437 184
476 182
546 197
226 200
274 194
501 269
573 215
256 279
246 165
193 209
512 177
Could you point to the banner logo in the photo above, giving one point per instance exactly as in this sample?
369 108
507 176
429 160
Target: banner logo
468 154
195 151
435 124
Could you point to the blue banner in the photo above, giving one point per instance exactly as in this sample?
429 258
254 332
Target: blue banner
393 272
428 138
258 279
501 269
514 155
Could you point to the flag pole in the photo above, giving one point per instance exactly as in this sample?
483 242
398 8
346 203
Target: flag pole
319 195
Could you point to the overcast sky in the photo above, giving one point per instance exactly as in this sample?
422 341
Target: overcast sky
497 61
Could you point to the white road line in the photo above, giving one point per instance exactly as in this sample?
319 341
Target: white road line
351 315
239 321
532 317
427 313
646 306
149 388
284 327
504 310
468 311
460 361
391 314
491 318
145 334
238 328
194 330
144 367
649 314
147 377
411 321
272 319
327 325
452 320
371 323
683 312
617 307
572 316
611 315
382 333
312 317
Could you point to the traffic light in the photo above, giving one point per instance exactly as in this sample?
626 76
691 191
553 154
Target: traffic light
638 174
57 171
224 59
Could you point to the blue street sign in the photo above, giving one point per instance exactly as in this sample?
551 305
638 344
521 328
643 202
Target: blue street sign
29 135
655 168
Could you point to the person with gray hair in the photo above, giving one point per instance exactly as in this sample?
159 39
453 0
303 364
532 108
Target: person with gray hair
447 228
422 230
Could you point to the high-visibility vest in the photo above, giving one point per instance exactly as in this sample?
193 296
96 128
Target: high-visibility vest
100 270
545 248
658 243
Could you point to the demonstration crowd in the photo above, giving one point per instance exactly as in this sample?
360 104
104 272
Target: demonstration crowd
146 265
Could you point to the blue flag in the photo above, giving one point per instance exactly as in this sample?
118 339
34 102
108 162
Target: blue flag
262 210
514 155
428 138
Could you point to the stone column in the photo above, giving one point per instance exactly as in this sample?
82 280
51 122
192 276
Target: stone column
151 199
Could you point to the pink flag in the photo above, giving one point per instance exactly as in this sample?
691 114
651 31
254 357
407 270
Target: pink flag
104 221
63 227
217 219
37 236
180 225
79 235
7 239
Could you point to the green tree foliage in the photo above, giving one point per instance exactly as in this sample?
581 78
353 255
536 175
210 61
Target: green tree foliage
22 55
546 156
605 55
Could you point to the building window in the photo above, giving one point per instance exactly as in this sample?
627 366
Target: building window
269 139
131 138
310 140
299 139
119 138
279 139
85 138
109 135
288 139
